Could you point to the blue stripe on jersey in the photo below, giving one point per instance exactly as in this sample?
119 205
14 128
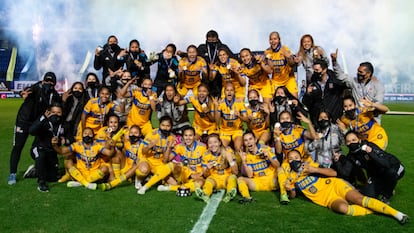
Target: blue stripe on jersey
306 182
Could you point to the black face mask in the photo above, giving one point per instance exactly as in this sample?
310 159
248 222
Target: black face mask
286 125
280 99
92 85
323 123
135 54
77 94
360 77
47 88
145 89
133 139
354 147
165 132
114 47
253 103
350 114
317 76
296 165
54 119
87 139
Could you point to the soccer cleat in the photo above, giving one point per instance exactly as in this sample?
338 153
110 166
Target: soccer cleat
30 172
138 183
64 178
246 200
73 184
404 219
142 190
200 194
284 199
12 179
105 186
230 195
43 187
91 186
163 188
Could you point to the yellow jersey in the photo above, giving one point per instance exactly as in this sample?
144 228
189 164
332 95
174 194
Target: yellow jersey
282 71
95 112
293 139
258 122
227 75
260 166
132 153
229 121
87 158
222 168
258 78
368 128
141 108
201 119
192 71
194 155
155 155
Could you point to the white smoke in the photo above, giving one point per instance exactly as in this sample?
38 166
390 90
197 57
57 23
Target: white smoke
378 31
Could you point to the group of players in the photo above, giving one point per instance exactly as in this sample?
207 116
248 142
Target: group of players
246 135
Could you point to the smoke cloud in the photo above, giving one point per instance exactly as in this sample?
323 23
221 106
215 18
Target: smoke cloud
62 32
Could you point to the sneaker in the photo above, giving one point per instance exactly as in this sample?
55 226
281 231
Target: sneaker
12 179
163 188
91 186
230 195
284 199
142 190
200 194
30 172
246 200
73 184
43 187
64 178
105 186
138 183
404 219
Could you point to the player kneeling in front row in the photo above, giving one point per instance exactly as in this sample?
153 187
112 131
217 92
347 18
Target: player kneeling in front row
188 153
89 166
259 165
333 192
127 159
220 168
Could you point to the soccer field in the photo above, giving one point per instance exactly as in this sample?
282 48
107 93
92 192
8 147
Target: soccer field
24 209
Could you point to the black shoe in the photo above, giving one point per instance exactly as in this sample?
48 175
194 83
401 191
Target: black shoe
43 187
30 172
245 200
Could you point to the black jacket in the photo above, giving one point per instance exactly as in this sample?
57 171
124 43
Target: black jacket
44 131
327 99
36 103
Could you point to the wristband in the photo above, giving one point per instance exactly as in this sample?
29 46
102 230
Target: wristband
232 163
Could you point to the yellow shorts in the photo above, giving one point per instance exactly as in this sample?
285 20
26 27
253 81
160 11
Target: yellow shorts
221 181
88 173
266 90
290 84
185 88
225 135
210 130
265 183
330 190
258 133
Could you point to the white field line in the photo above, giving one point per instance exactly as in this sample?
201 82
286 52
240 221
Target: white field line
209 211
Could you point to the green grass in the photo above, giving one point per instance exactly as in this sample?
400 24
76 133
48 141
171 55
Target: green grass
24 209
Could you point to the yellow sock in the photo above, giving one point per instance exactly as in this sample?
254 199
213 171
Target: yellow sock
244 189
356 210
117 169
118 180
77 175
96 175
281 179
174 187
378 206
231 183
208 187
190 185
162 172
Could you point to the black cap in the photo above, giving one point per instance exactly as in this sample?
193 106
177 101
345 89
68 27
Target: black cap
50 76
